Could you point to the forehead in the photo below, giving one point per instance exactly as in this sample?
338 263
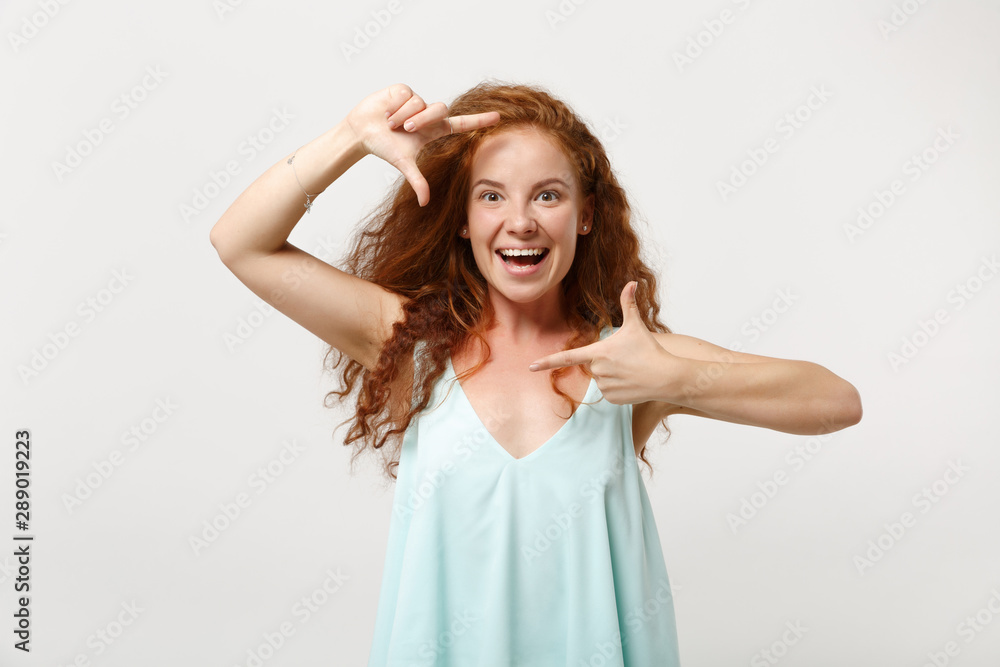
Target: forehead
521 154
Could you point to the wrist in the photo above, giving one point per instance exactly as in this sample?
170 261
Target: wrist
323 160
344 146
351 139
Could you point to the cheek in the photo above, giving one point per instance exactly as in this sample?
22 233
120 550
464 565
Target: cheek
483 231
561 220
566 233
480 241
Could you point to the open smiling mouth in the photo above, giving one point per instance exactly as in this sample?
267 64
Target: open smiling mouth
523 257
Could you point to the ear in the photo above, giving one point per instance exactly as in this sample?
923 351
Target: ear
586 217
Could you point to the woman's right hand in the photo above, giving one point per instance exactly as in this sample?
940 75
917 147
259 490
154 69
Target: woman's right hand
395 123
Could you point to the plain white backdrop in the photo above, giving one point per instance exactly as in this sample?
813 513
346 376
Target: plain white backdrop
813 180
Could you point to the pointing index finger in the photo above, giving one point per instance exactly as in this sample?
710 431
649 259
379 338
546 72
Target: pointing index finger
473 121
561 359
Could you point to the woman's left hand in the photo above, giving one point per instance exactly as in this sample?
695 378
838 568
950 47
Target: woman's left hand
630 366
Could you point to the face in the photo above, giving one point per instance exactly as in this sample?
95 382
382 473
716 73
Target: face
525 198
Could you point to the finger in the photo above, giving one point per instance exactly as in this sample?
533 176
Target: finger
416 180
474 121
580 355
630 310
396 96
410 107
433 115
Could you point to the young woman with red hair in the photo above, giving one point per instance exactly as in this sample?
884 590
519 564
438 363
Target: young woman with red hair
502 337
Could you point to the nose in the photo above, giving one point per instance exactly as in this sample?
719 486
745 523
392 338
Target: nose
521 219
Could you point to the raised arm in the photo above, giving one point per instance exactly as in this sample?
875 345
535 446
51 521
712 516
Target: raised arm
353 315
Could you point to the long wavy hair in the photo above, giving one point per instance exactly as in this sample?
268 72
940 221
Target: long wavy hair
417 252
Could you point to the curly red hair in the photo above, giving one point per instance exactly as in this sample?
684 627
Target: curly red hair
416 252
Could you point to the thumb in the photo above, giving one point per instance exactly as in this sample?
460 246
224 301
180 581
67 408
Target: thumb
416 180
630 311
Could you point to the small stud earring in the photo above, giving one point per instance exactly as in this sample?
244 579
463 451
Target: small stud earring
465 230
585 228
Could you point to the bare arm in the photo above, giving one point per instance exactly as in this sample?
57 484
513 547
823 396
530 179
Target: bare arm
675 374
786 395
353 315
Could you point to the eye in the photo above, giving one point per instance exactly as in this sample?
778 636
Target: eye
555 195
490 194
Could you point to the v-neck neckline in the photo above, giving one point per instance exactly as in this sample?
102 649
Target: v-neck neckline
591 386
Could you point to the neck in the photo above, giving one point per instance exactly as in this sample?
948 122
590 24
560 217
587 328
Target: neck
528 323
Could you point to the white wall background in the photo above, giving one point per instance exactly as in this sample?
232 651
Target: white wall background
894 74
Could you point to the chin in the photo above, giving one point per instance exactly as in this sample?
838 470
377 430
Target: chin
522 293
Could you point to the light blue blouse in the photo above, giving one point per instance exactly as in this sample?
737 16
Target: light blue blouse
548 560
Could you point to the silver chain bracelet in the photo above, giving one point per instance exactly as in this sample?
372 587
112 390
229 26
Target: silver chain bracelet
309 197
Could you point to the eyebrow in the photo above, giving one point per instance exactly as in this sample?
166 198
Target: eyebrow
547 181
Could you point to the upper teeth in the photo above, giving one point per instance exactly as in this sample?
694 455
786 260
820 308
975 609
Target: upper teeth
513 252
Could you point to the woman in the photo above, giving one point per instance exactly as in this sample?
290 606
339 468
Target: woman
504 337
